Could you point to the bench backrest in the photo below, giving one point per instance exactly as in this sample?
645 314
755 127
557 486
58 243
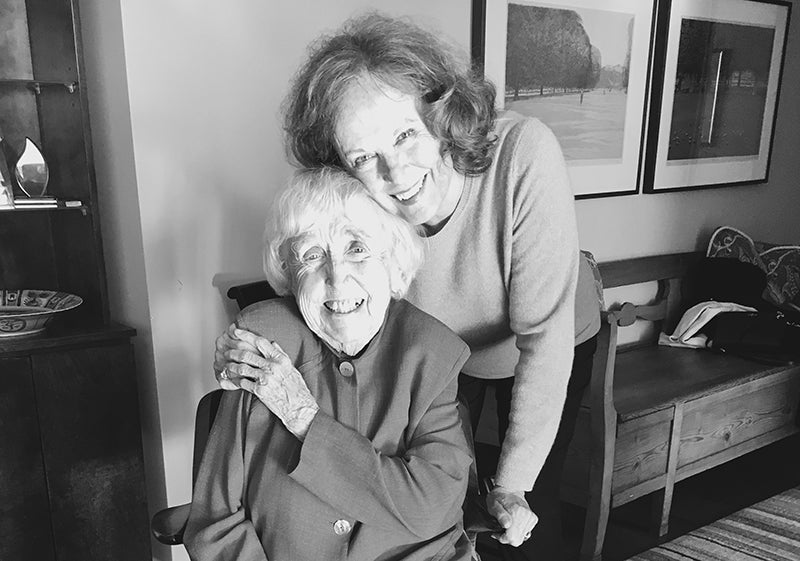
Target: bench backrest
667 270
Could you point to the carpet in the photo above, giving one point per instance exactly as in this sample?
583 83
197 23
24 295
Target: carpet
766 531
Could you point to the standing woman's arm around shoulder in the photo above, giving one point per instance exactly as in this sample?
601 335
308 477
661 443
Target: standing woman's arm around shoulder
544 273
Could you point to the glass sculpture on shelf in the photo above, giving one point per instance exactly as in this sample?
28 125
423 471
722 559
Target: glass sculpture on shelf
6 189
31 171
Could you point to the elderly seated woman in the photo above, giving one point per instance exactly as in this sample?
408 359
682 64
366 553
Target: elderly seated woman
350 446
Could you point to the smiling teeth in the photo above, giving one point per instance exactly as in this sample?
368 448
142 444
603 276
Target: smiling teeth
405 195
343 306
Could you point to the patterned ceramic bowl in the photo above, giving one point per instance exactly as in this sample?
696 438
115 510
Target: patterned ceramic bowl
26 312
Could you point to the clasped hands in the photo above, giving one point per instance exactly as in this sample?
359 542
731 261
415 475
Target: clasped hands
512 513
245 360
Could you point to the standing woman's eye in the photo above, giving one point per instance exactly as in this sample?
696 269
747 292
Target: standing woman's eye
404 135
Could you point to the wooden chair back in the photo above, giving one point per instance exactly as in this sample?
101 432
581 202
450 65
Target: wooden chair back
168 525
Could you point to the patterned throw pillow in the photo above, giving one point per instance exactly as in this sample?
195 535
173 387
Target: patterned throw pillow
733 244
783 274
780 263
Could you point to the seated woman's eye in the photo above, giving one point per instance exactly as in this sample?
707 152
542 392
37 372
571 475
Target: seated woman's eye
358 250
362 160
313 254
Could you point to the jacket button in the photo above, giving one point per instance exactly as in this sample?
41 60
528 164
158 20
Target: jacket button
341 527
346 369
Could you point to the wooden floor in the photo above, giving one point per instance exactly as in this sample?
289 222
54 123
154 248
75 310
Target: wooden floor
697 501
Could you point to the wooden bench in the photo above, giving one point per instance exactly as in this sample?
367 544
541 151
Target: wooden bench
656 415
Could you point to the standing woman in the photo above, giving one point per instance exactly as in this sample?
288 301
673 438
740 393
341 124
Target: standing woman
390 103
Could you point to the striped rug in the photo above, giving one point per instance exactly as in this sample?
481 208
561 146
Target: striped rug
766 531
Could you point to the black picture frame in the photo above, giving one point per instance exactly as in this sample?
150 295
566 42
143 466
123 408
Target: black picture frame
605 157
714 104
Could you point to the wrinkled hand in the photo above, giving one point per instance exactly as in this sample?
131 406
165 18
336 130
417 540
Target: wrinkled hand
512 513
227 347
270 375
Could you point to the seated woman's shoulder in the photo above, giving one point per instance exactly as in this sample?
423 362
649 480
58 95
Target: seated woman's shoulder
279 319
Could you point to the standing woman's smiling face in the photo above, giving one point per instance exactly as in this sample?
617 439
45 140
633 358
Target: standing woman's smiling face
386 145
339 278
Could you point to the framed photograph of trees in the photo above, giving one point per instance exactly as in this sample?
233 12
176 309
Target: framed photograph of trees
581 67
714 102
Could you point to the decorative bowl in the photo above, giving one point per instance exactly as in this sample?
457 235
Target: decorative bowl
26 312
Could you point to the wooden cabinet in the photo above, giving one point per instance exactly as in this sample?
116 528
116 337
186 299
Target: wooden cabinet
71 468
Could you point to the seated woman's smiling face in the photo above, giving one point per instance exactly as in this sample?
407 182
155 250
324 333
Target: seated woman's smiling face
339 278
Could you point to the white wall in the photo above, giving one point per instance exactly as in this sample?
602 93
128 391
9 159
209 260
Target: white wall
185 102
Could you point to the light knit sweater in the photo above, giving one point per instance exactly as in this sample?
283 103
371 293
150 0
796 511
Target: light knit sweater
502 272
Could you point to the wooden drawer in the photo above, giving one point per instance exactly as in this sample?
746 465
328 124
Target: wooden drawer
642 450
760 409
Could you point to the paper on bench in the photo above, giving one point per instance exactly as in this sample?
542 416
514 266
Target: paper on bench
687 334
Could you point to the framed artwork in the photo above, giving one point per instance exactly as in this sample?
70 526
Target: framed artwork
581 67
713 105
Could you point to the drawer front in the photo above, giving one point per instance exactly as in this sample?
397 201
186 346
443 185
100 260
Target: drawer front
642 449
720 422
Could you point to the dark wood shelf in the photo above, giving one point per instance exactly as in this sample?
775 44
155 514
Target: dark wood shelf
83 208
63 335
36 85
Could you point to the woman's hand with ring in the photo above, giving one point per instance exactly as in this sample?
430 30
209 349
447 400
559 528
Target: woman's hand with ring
229 349
270 375
513 513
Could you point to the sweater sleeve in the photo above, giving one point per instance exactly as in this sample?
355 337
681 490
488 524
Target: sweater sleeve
544 270
218 528
418 492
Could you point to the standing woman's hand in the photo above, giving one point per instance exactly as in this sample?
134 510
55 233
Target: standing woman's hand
512 513
270 375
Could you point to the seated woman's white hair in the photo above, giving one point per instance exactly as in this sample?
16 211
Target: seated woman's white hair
314 196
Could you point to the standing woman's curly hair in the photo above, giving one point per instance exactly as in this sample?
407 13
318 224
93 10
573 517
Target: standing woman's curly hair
456 103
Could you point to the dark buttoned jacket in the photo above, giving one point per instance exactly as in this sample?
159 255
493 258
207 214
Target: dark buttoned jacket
382 472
